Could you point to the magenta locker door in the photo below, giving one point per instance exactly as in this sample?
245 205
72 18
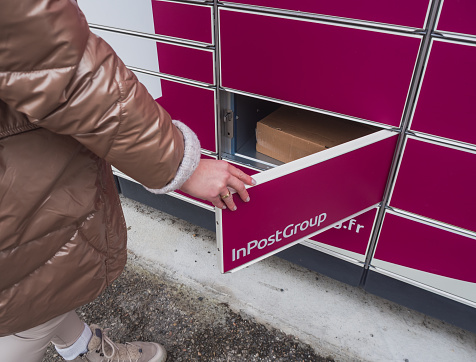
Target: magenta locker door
360 73
427 254
457 16
352 235
195 106
184 21
437 182
297 200
410 13
445 106
186 62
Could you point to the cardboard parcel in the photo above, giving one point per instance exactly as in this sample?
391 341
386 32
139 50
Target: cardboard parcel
291 133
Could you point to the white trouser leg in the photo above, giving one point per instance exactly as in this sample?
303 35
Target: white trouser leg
30 345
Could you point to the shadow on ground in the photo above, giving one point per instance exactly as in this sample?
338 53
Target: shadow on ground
141 306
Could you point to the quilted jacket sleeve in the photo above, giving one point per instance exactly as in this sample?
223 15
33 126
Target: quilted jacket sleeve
69 81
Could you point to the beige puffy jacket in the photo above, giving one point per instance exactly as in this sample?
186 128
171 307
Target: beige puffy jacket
68 109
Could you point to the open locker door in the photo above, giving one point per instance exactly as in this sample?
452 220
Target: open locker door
302 198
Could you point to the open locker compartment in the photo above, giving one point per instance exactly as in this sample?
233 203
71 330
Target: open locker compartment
296 200
240 116
257 131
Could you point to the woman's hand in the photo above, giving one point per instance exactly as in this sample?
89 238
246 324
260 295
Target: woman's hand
213 180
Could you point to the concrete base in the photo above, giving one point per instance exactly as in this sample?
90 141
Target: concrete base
336 319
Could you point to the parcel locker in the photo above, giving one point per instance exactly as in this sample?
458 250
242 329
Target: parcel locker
389 209
369 10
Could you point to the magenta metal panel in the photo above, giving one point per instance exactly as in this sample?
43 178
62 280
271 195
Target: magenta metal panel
193 106
299 204
422 247
355 72
457 16
180 20
437 182
404 12
445 106
352 235
191 63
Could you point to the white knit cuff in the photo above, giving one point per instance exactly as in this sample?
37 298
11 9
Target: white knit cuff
191 158
78 347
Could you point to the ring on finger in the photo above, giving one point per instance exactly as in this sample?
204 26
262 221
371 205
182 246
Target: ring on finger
223 197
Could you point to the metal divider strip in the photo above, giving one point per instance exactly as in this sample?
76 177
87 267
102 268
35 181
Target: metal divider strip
411 101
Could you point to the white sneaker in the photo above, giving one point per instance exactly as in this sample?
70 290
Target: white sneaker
102 349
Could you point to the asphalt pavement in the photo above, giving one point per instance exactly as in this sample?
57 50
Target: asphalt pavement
192 327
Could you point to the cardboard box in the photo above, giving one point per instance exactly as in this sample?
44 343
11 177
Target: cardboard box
291 133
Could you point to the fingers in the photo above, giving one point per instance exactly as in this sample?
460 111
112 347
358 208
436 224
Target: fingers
216 181
239 187
227 198
238 182
224 200
240 175
235 183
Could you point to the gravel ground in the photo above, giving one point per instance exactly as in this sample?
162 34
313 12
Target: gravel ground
141 306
